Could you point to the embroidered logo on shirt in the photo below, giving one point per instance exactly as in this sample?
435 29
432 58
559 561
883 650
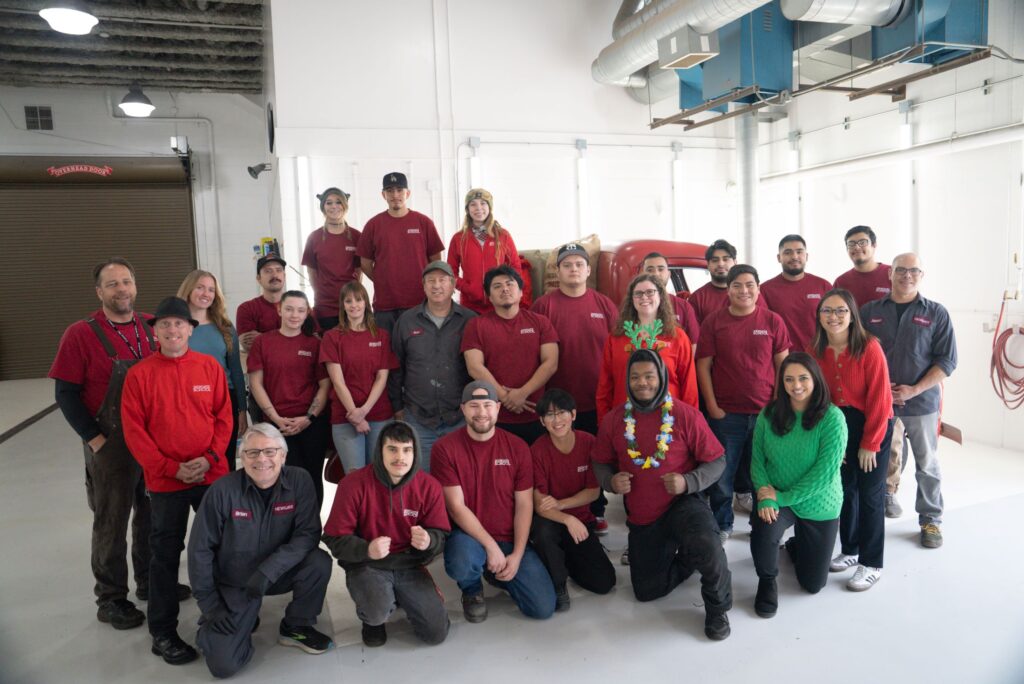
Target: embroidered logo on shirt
599 315
582 468
922 321
813 295
762 332
284 508
350 248
201 388
376 344
875 321
527 331
305 352
883 290
241 514
416 331
408 513
503 462
413 231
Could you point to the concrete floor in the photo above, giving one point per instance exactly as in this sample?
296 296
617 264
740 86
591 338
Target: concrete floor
955 614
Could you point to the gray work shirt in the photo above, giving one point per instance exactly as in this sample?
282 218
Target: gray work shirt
433 372
921 339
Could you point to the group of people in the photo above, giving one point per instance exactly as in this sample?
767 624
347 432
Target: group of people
488 433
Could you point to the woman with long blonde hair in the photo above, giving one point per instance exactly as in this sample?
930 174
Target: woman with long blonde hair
481 244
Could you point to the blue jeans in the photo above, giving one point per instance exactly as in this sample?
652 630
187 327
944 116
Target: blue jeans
736 433
354 449
427 436
465 561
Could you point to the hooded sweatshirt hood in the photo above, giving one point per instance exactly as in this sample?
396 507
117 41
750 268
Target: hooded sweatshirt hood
647 355
377 462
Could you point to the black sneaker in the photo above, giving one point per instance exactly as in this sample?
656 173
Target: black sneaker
766 602
173 649
562 601
184 592
716 626
305 637
120 614
375 635
474 607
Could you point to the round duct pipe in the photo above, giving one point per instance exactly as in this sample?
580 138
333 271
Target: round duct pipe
860 12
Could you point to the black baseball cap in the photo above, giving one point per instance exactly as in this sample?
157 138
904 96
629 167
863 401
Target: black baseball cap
172 307
479 390
395 180
264 260
571 249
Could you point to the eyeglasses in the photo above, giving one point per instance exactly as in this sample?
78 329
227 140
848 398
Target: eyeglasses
914 272
840 313
269 452
558 413
863 242
645 294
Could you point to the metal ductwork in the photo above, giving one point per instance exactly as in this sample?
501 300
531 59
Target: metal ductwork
638 48
633 13
862 12
659 84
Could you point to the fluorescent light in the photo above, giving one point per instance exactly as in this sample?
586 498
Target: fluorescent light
67 18
135 103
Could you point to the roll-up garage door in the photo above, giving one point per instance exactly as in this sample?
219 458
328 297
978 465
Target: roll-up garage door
61 216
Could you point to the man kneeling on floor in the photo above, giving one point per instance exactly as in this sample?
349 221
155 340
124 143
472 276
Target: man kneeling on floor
660 453
257 532
387 523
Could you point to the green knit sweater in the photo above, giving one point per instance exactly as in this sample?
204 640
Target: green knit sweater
802 466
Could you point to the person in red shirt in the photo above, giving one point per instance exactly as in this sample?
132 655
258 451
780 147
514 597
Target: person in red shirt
290 386
330 256
741 347
388 522
487 476
795 294
513 350
259 314
646 304
481 244
89 370
395 247
177 422
857 374
358 357
564 486
660 455
712 296
656 264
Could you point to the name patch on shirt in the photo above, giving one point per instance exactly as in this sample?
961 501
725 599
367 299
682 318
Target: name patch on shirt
762 332
376 344
527 331
413 231
349 248
875 321
305 352
409 513
922 321
201 388
284 508
241 514
883 290
597 315
503 462
813 295
415 332
582 468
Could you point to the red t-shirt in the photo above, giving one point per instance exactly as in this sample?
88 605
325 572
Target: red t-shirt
489 474
866 287
744 349
257 314
583 324
708 299
361 355
82 360
511 351
564 475
692 443
366 508
334 258
291 370
399 248
686 317
797 302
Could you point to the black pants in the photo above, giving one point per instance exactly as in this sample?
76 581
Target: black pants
666 552
586 562
308 449
327 322
528 432
113 488
862 520
386 319
810 548
170 525
587 421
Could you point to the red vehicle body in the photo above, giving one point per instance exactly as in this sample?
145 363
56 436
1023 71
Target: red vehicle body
620 265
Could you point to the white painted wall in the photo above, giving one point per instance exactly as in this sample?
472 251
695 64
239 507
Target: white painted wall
226 133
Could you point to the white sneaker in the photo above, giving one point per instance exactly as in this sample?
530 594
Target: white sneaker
743 503
864 578
624 558
842 562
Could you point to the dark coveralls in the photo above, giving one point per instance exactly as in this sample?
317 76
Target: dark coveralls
234 535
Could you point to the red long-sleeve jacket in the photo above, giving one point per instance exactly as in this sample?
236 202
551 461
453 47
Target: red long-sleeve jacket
471 261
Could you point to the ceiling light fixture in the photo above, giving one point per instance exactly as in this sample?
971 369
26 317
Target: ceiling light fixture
135 103
68 16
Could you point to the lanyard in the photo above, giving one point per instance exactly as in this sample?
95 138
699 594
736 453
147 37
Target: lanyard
137 350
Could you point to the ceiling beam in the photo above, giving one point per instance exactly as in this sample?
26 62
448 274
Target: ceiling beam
167 63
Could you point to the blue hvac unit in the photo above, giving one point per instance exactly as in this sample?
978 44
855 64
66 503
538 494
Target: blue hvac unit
691 86
943 21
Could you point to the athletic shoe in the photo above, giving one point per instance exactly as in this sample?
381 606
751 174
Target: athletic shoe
305 637
864 578
766 602
931 536
600 526
173 650
120 614
842 562
723 536
743 502
474 607
892 506
716 626
184 592
375 635
624 558
562 602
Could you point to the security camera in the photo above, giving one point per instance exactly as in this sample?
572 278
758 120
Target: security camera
255 171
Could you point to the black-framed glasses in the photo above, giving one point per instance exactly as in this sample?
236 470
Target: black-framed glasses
841 312
914 272
645 294
557 413
269 452
863 242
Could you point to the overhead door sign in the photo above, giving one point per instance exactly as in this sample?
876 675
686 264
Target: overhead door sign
58 171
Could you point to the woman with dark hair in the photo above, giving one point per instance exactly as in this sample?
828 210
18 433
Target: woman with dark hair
854 364
330 256
358 357
290 386
481 244
799 440
646 308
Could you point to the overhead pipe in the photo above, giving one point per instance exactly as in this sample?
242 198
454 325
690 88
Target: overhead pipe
633 13
659 84
860 12
747 175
